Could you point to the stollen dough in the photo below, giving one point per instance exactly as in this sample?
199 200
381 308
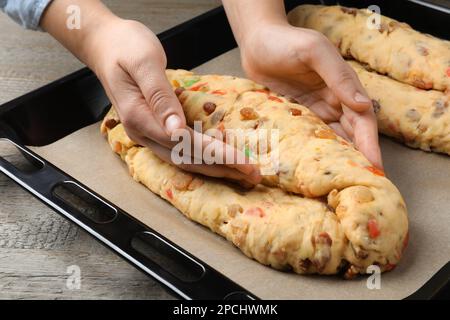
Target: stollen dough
394 48
419 118
347 214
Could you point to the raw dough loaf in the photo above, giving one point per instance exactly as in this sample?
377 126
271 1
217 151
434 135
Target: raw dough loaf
419 118
394 49
357 215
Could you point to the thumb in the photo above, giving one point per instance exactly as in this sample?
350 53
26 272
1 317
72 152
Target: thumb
160 98
340 78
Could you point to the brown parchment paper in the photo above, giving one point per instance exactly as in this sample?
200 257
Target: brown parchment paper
423 179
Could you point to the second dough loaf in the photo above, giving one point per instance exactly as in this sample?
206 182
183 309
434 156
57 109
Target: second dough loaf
394 49
419 118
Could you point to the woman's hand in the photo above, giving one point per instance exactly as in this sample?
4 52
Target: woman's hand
303 64
130 62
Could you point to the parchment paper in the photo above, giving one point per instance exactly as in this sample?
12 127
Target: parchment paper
423 179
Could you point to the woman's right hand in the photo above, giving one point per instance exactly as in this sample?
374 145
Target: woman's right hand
130 62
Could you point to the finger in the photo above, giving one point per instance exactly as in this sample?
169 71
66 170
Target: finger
212 150
347 126
326 112
339 76
337 127
330 98
365 134
159 96
196 146
226 154
218 171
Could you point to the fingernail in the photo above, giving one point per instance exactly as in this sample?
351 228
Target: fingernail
173 122
361 98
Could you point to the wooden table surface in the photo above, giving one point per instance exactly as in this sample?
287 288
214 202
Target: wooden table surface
37 245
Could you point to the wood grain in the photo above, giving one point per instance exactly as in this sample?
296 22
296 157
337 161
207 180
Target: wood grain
36 244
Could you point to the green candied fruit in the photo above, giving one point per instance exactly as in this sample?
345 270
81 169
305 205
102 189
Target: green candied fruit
248 152
190 82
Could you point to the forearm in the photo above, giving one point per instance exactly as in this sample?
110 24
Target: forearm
245 15
93 15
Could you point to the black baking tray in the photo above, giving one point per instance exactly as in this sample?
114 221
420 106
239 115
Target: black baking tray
54 111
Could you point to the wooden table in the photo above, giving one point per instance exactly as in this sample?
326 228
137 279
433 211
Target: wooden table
37 245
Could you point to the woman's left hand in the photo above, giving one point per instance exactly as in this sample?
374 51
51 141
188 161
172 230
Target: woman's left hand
304 64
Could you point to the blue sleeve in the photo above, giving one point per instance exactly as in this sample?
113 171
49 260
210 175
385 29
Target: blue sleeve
25 12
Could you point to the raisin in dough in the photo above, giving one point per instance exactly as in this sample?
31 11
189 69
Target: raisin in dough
394 49
418 117
366 213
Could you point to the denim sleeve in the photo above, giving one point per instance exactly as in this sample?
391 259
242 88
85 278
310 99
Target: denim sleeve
25 12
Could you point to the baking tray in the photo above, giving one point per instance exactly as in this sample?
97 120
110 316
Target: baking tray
54 111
